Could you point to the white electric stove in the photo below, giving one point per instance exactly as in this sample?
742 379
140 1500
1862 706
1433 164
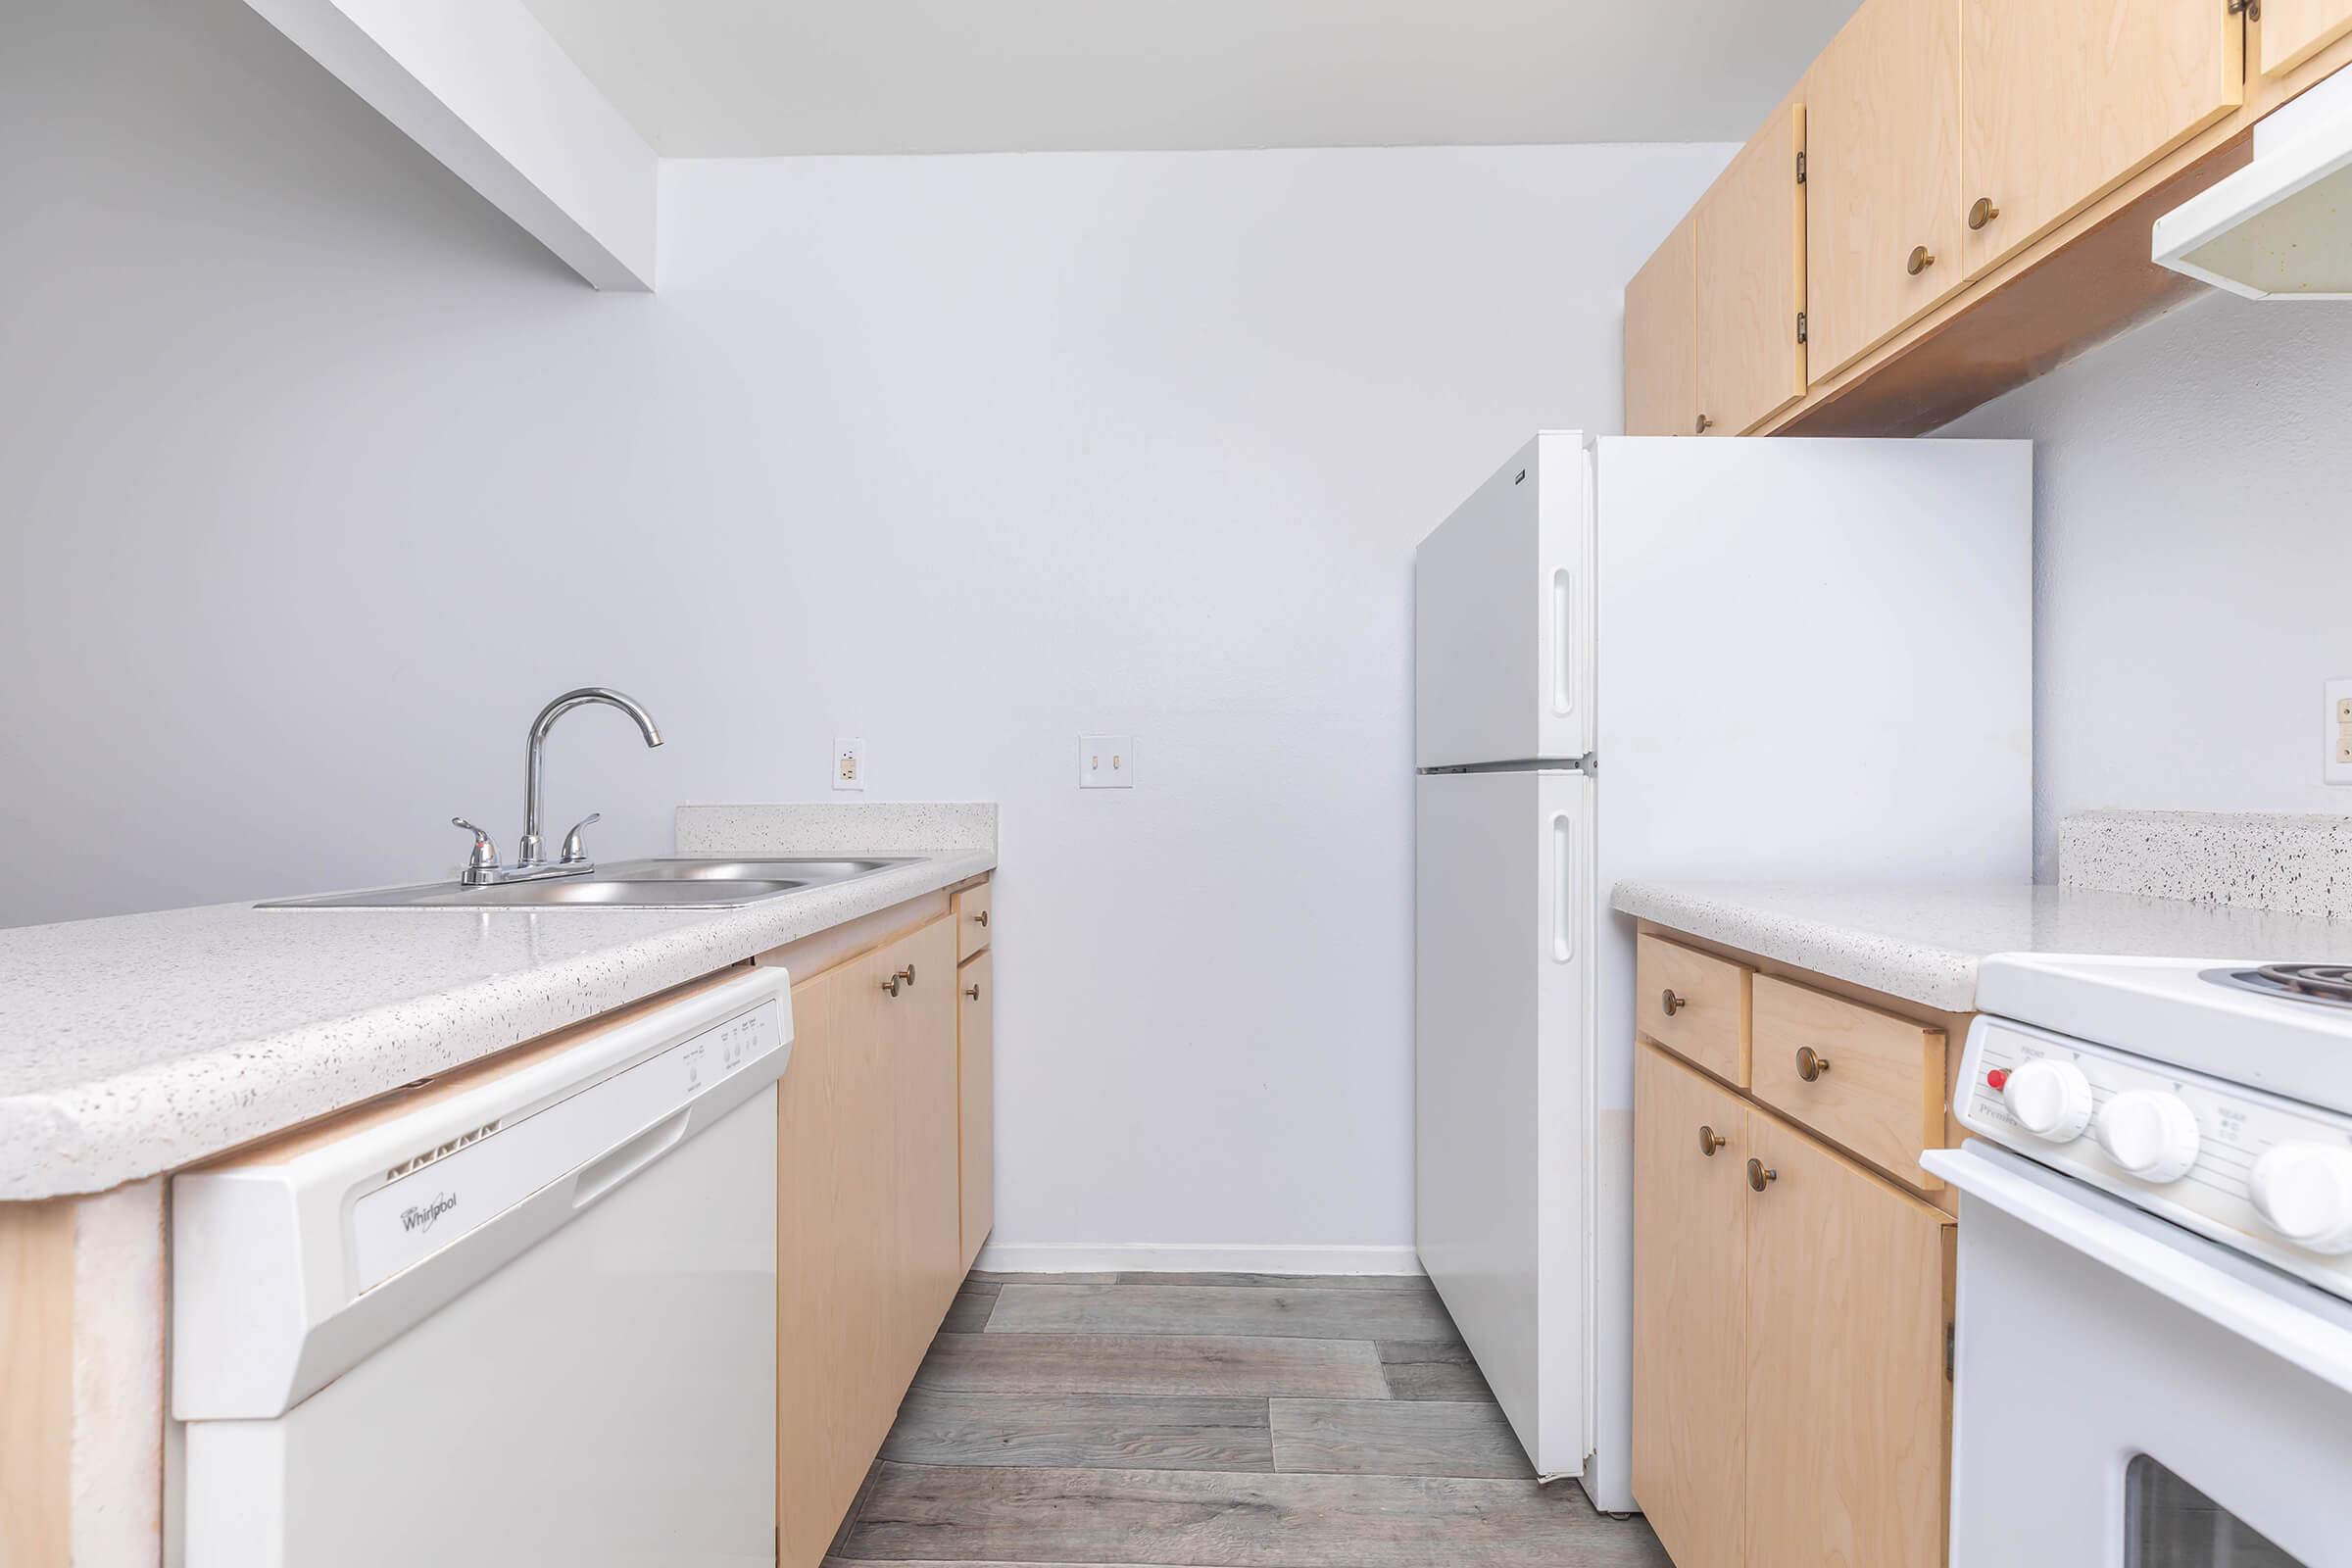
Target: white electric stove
2154 1322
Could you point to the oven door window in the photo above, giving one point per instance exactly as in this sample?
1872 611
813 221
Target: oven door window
2170 1524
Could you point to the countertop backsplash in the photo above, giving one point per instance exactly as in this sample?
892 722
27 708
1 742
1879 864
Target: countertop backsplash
2297 865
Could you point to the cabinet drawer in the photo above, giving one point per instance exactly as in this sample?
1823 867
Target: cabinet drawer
973 923
1866 1080
1694 1005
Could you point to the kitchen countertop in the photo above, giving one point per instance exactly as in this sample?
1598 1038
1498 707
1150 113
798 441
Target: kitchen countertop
1924 942
135 1045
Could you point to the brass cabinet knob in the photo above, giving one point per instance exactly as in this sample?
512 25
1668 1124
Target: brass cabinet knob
1672 1002
1921 259
1704 425
973 991
1810 1064
981 919
891 985
1981 212
1710 1141
1758 1175
907 975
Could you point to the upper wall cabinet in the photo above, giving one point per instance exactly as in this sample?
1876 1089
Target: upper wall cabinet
1883 229
2288 31
1752 280
2063 102
1661 338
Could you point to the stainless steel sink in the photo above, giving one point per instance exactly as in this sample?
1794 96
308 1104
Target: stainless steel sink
699 884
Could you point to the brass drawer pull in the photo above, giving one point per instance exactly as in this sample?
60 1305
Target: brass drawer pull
891 985
973 991
1810 1064
905 977
1983 212
1758 1175
1704 425
981 919
1710 1141
1921 259
1672 1002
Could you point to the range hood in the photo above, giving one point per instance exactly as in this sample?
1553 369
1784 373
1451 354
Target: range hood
2279 229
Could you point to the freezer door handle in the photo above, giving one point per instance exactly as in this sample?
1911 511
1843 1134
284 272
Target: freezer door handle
1563 887
1563 641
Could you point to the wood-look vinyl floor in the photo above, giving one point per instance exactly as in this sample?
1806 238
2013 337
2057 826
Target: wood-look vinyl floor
1212 1421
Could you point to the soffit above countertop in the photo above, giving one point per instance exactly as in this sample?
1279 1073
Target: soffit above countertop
777 77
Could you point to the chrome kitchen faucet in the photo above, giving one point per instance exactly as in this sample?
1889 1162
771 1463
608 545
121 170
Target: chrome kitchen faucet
482 866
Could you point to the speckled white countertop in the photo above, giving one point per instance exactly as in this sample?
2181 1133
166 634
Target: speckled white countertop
136 1045
1924 942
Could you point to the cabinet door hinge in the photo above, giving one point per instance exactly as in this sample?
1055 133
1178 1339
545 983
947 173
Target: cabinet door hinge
1800 158
2251 10
1951 1339
1800 326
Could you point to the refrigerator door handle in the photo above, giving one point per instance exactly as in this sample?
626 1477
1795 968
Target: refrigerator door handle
1563 887
1563 643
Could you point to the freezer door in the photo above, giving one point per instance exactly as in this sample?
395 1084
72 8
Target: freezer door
1504 941
1503 622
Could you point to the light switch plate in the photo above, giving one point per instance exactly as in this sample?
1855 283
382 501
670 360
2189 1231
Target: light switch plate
1107 762
849 762
2336 735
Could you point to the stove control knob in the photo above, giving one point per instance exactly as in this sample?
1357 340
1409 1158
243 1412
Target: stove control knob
2050 1099
2151 1134
2304 1192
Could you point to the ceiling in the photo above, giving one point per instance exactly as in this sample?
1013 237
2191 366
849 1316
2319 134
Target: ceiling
769 77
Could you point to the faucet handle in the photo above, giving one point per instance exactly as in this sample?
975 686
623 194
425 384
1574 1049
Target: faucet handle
484 854
573 851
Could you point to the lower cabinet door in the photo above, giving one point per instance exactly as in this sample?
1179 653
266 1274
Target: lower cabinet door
976 1079
1848 1410
836 1242
1691 1268
926 1125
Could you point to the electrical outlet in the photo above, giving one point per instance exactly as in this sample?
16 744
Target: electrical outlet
2336 737
849 762
1107 762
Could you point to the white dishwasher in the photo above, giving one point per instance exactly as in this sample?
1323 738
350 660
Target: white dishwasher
524 1314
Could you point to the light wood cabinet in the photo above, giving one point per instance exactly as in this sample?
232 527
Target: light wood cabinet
1848 1410
1868 1081
1691 1322
975 919
869 1214
1661 338
837 1356
1752 280
1883 215
1790 1308
2290 31
1695 1003
2061 103
976 1073
926 1122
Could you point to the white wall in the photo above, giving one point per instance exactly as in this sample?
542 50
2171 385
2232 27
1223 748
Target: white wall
319 477
2193 555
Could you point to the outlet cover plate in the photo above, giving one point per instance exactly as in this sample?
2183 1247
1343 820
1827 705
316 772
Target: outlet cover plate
849 762
1107 762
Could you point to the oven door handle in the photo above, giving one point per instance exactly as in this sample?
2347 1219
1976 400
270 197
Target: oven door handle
2318 1342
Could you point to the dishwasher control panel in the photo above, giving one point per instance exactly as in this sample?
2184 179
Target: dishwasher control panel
464 1183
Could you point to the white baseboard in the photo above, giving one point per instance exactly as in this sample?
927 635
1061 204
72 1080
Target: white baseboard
1154 1257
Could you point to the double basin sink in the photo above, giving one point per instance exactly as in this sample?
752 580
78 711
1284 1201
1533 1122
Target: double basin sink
710 884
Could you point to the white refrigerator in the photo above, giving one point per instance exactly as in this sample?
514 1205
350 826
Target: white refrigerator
1643 658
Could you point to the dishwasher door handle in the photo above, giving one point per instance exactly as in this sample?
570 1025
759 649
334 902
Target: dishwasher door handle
609 1169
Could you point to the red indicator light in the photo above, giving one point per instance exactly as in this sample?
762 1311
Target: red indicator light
1999 1078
